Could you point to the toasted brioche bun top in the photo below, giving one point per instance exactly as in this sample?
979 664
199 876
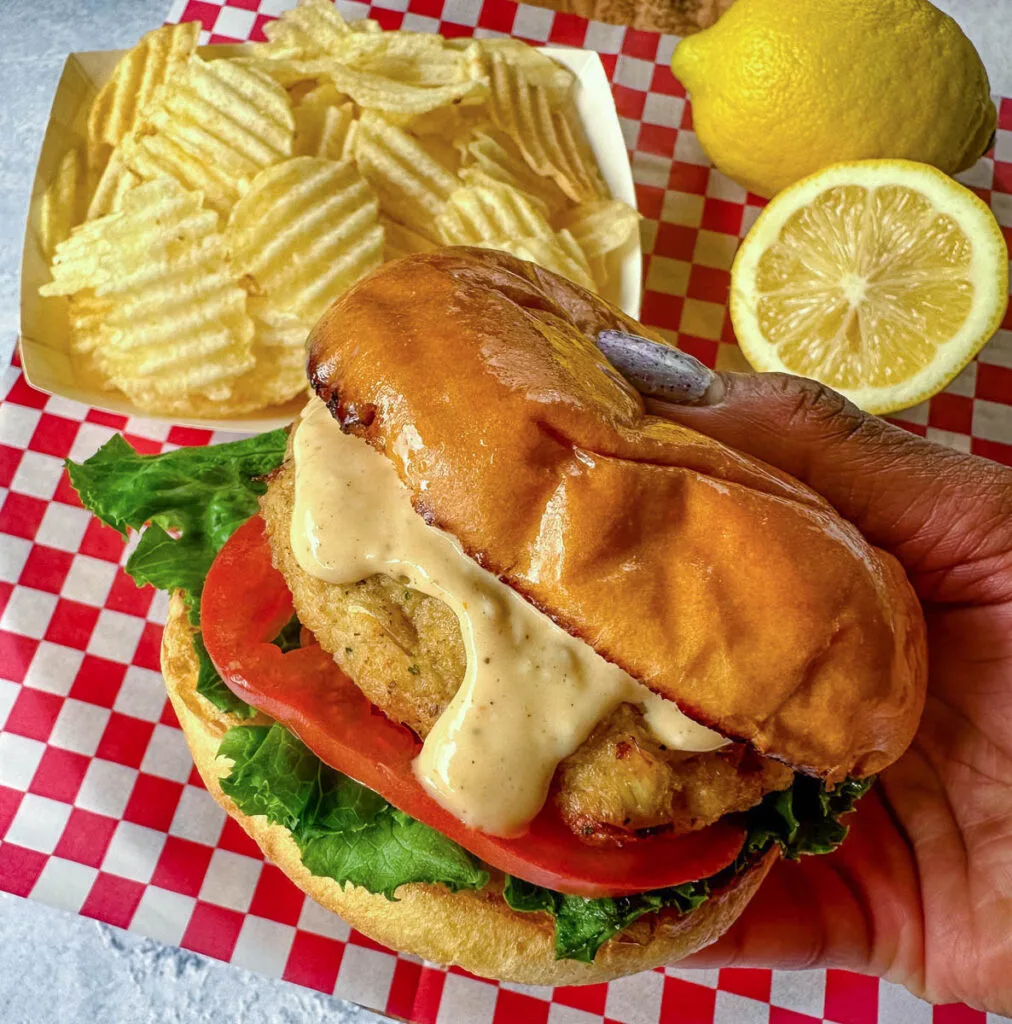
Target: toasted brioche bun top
716 580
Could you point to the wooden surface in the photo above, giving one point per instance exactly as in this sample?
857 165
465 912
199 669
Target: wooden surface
678 17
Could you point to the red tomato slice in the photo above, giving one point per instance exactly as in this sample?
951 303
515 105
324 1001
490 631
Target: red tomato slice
244 605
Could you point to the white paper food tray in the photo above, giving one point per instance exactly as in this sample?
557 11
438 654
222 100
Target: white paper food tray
44 329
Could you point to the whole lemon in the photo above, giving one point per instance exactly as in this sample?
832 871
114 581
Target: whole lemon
781 89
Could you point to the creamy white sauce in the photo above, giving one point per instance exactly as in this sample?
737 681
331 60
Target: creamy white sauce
531 693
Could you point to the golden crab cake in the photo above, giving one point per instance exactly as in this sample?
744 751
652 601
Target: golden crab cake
403 649
623 780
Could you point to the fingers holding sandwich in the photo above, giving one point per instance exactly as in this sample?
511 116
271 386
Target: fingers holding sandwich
857 910
943 514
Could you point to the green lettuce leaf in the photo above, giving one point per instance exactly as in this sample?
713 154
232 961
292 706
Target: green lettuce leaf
290 636
273 774
210 684
204 493
344 830
192 501
394 850
341 805
241 743
582 926
802 819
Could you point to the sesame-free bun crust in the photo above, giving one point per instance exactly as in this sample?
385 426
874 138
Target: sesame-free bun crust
474 930
714 579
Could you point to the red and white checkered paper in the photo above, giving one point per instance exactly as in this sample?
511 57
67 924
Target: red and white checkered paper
101 810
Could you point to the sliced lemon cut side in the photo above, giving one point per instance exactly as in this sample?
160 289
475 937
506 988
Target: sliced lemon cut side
880 278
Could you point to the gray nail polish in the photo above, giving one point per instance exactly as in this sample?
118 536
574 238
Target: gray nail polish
656 370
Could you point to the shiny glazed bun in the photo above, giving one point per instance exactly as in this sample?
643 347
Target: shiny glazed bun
475 930
717 581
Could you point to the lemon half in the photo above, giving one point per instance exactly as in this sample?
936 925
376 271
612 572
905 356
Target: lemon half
880 278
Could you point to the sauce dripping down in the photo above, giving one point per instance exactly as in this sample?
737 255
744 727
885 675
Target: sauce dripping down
531 693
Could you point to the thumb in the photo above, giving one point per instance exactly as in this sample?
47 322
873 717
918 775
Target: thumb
944 514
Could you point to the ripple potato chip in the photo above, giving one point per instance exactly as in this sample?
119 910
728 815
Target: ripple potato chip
411 185
115 181
551 144
533 65
323 124
213 127
378 92
494 213
279 352
65 203
313 28
561 255
136 78
216 207
158 309
601 227
493 156
414 58
401 241
305 231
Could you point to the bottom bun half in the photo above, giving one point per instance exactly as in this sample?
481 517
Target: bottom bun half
474 930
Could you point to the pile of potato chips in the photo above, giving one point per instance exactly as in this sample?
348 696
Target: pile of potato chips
218 207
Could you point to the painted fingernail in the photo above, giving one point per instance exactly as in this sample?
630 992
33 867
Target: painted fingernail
659 370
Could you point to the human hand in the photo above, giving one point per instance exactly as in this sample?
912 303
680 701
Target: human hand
920 893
